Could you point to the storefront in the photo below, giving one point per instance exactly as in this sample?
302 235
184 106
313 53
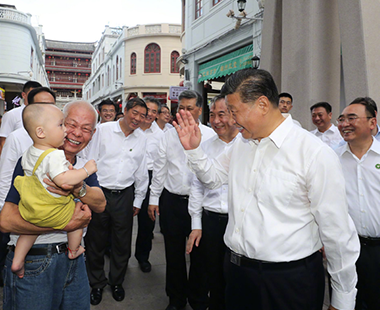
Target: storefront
212 74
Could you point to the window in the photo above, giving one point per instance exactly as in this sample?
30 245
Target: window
173 62
117 67
152 58
133 63
215 2
121 68
198 8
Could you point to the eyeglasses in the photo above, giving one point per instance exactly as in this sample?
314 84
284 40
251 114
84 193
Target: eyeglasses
351 119
167 112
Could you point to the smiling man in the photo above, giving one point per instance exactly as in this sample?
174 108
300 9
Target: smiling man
62 279
107 111
360 159
286 200
208 208
169 194
119 150
145 224
321 114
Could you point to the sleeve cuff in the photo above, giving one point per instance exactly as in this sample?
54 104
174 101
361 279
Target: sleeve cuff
343 300
196 223
138 202
153 200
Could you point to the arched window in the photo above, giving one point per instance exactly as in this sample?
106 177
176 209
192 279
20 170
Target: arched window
173 62
133 63
117 67
152 59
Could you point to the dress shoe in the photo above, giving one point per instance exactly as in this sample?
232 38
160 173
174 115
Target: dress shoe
96 296
171 307
117 292
145 266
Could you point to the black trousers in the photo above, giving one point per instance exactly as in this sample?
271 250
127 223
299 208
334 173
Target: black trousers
368 270
145 229
265 286
117 220
176 226
213 228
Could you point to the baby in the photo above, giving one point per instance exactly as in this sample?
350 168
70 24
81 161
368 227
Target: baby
44 124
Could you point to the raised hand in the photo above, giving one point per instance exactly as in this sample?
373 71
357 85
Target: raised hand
188 130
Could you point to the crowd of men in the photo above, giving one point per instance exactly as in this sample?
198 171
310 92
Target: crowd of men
254 200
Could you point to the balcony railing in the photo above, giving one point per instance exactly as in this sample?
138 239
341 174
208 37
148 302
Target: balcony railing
14 15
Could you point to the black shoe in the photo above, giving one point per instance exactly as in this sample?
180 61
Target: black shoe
96 296
117 292
145 266
171 307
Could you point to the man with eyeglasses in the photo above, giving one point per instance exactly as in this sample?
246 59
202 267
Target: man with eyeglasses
285 104
360 159
163 118
52 281
107 111
321 114
145 225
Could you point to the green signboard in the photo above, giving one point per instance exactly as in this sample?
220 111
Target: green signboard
227 64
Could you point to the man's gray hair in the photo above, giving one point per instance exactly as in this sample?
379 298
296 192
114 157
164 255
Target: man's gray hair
214 100
82 103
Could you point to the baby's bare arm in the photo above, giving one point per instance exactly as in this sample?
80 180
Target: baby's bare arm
73 177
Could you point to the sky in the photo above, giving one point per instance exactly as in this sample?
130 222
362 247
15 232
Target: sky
84 20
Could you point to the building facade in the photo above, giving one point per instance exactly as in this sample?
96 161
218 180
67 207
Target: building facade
22 49
68 66
135 62
215 45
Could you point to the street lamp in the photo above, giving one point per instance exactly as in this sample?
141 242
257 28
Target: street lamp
241 5
255 62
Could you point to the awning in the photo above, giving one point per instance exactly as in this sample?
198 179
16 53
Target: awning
227 64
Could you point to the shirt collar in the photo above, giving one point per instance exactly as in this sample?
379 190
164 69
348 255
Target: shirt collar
117 128
375 147
279 134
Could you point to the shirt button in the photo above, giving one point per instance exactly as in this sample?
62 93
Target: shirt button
242 210
237 230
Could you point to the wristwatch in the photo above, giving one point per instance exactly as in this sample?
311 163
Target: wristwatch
82 191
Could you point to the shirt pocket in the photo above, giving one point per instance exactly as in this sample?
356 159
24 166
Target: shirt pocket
277 188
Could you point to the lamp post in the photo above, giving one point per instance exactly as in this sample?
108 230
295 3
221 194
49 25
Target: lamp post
241 5
255 62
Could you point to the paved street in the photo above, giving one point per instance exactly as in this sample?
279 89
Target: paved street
143 291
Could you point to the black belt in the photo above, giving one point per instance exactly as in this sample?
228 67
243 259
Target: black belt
215 214
185 197
49 248
114 191
369 241
241 260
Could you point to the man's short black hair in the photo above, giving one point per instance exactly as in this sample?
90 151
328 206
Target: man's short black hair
250 84
131 103
322 104
107 102
153 100
369 103
162 106
191 94
38 90
287 95
30 84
